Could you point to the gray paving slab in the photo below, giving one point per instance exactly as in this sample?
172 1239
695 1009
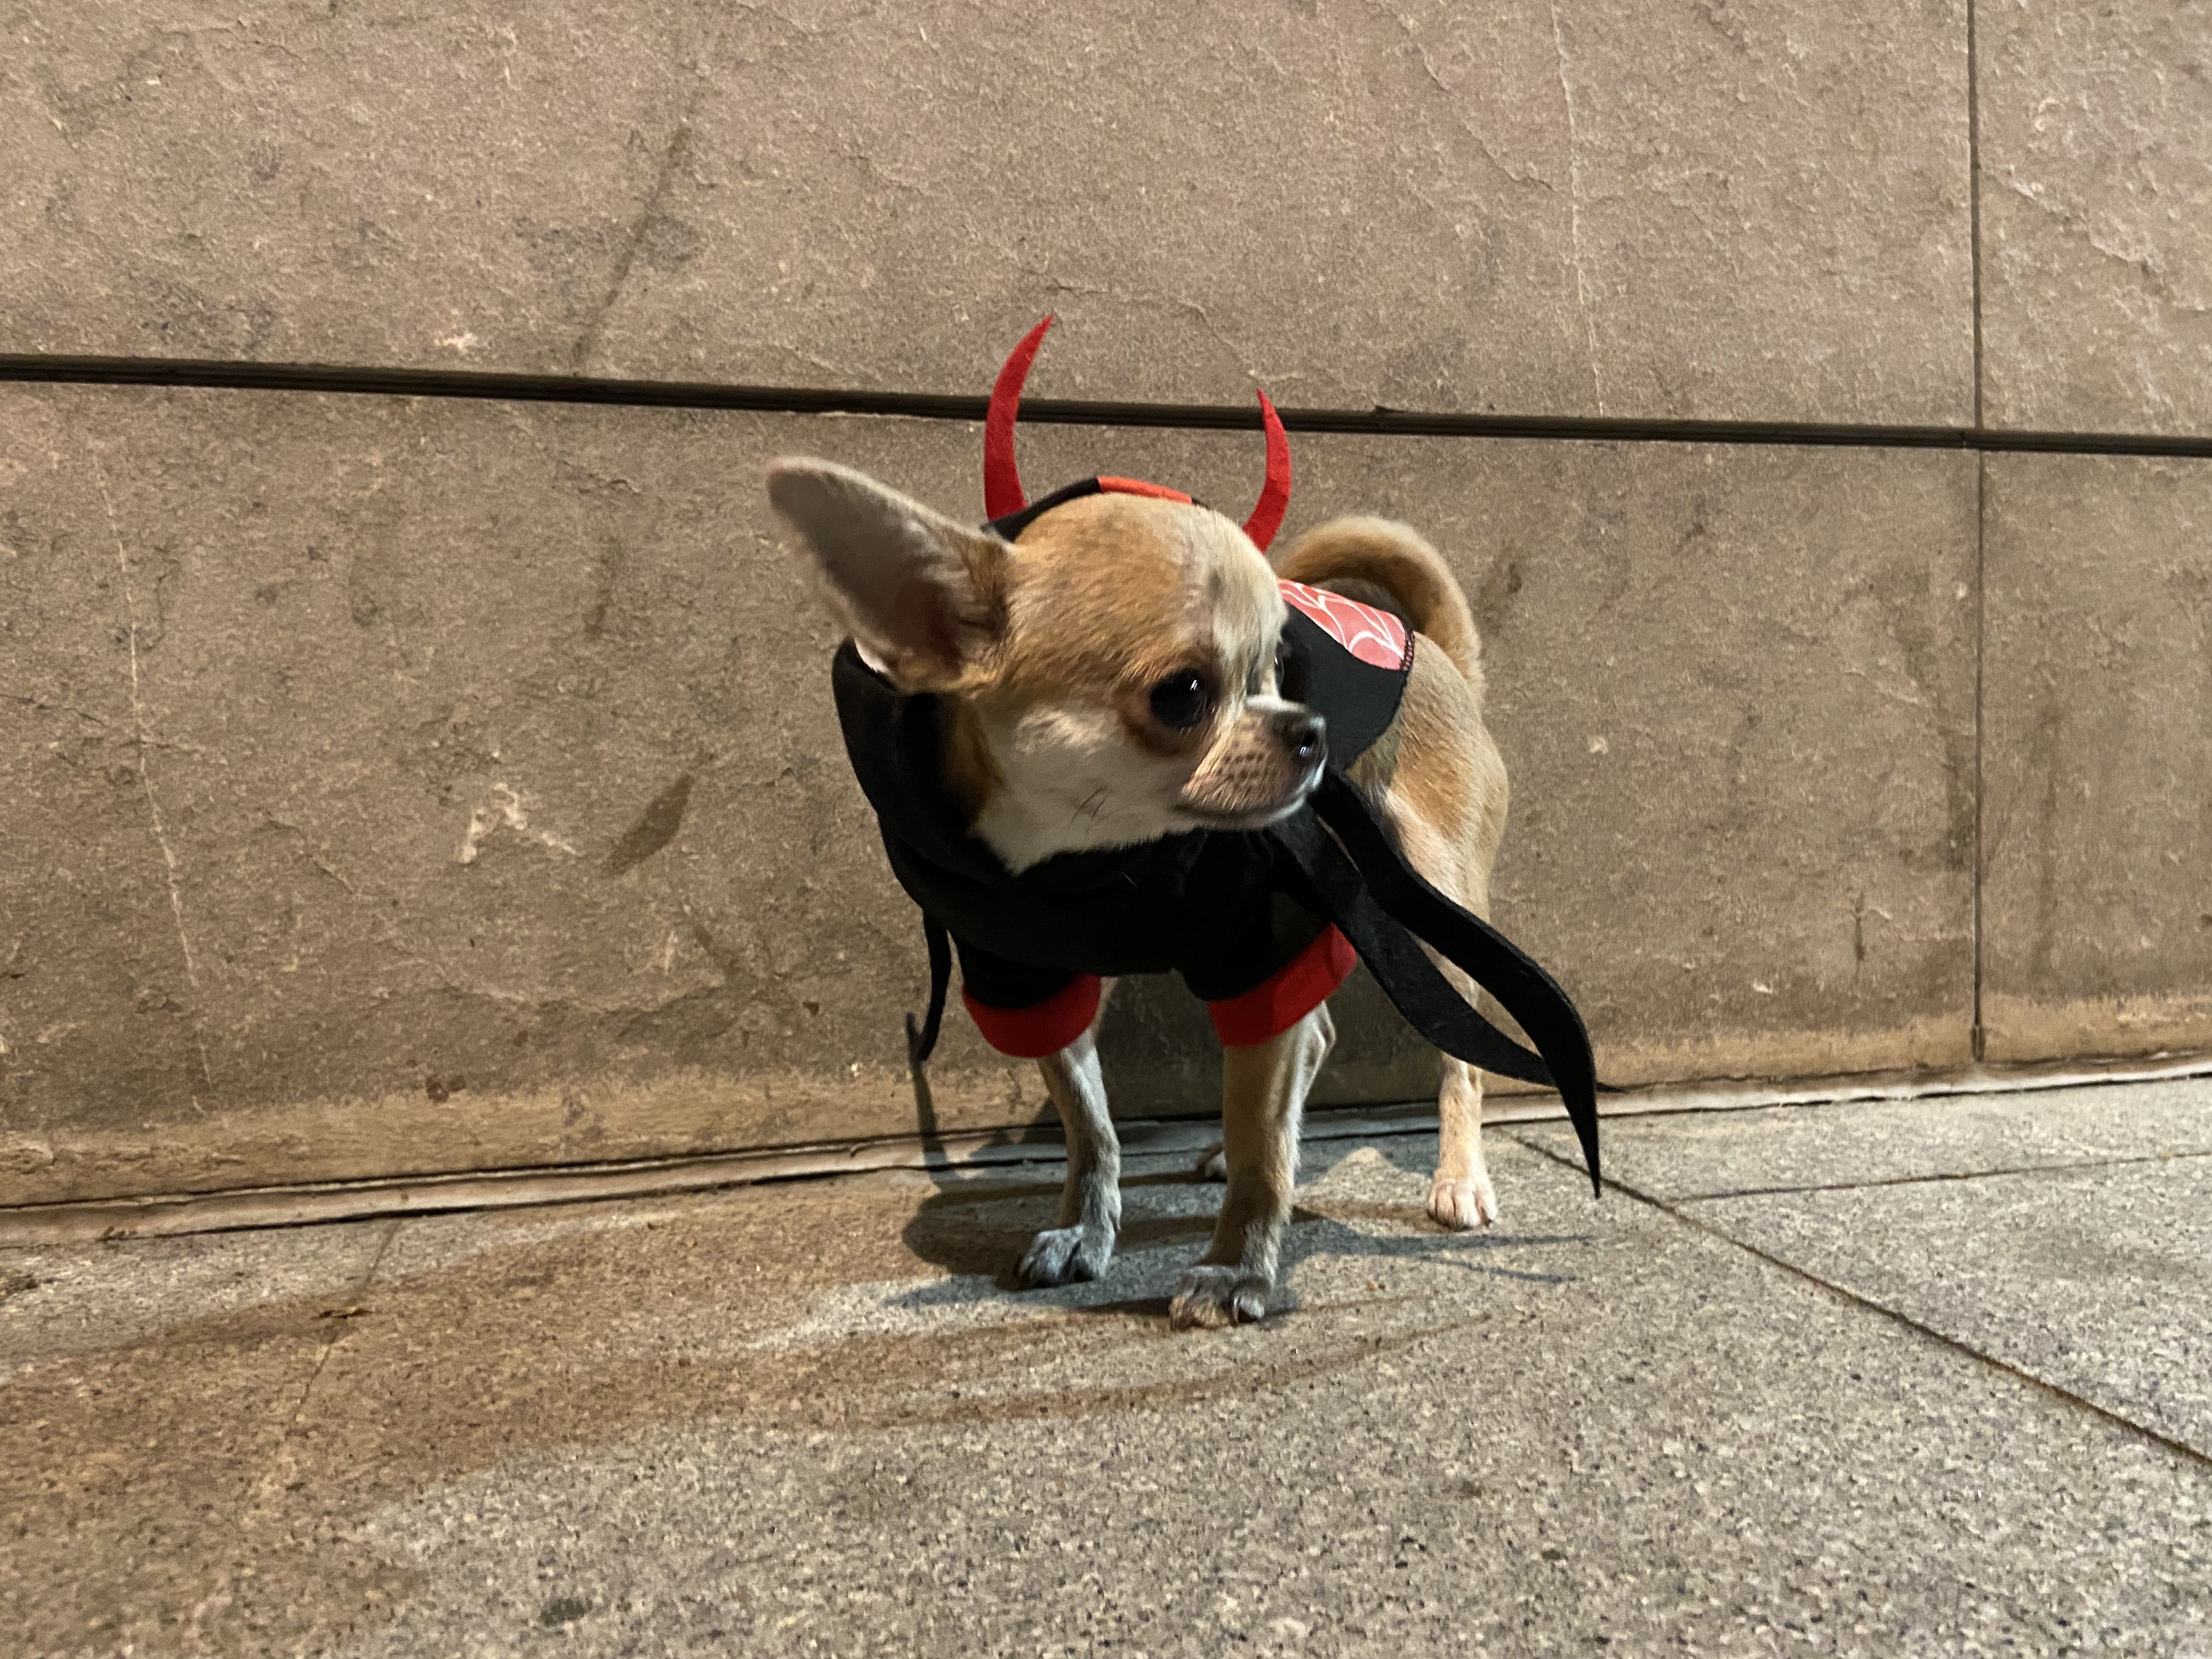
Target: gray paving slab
1850 1143
146 1390
814 1418
1595 1428
2099 1281
59 1301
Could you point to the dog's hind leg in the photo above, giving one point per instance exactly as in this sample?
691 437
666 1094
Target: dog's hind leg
1460 1195
1091 1202
1263 1103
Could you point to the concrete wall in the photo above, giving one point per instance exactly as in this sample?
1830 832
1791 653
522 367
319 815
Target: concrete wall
427 784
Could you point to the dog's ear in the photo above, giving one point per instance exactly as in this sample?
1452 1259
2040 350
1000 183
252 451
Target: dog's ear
923 596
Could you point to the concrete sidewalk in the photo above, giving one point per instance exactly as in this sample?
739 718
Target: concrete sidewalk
1889 1379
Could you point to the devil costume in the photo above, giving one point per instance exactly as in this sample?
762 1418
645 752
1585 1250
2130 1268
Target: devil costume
1262 925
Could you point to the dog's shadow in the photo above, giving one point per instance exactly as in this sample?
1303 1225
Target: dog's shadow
976 1229
1157 1047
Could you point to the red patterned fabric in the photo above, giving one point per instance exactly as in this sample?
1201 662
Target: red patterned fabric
1373 636
1288 995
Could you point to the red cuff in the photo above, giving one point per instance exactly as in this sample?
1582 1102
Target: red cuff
1042 1028
1287 996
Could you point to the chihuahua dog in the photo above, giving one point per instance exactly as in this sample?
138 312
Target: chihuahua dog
1108 677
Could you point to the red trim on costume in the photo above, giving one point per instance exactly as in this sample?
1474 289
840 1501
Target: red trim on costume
1002 480
1042 1028
1274 495
1373 636
1287 996
1138 487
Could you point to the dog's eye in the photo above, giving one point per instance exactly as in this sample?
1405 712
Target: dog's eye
1181 700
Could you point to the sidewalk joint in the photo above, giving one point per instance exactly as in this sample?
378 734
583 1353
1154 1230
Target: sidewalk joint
2181 1448
1939 1175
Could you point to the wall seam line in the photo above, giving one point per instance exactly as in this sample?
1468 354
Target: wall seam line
1978 1035
1378 421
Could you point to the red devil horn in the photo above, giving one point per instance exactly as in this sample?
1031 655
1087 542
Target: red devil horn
1002 480
1275 495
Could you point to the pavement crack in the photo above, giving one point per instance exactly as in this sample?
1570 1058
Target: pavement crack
1929 1180
338 1329
2181 1448
262 1489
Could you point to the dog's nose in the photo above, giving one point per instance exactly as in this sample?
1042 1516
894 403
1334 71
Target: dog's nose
1304 734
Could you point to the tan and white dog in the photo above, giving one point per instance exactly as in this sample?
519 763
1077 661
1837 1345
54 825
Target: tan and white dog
1047 654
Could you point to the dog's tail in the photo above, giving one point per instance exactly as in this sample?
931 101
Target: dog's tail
1348 555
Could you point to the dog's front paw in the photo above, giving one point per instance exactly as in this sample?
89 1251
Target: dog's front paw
1461 1203
1214 1165
1210 1297
1062 1256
